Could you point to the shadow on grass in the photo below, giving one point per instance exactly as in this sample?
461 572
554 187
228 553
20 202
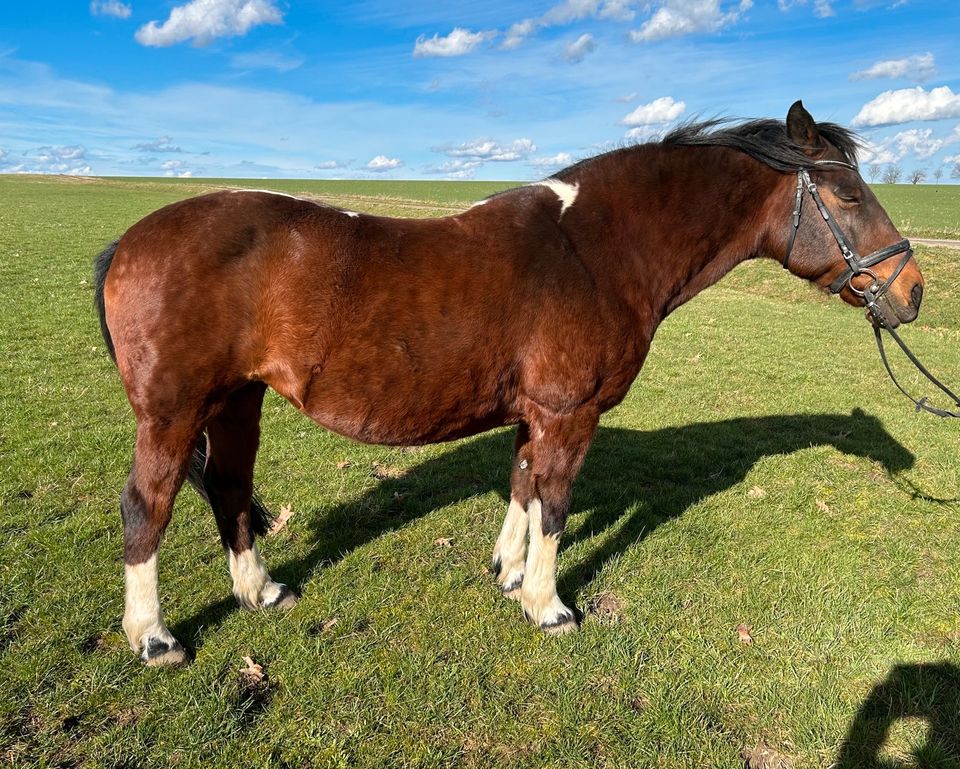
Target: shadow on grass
648 476
929 692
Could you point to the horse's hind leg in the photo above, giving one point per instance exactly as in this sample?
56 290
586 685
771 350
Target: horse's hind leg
160 463
510 552
233 436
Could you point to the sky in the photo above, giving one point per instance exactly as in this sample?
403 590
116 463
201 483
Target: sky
422 89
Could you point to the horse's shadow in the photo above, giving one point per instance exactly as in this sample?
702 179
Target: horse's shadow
926 691
649 476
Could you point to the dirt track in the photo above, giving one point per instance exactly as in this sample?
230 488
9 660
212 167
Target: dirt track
936 243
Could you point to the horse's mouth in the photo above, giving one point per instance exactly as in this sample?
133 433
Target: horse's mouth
891 314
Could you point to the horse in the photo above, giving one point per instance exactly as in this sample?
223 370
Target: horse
535 307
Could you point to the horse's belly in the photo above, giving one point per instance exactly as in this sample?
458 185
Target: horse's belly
385 405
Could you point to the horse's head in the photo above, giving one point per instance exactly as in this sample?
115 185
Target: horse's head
839 236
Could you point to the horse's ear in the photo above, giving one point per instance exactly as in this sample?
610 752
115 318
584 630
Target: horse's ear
802 130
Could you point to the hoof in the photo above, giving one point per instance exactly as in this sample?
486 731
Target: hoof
560 625
163 654
286 599
555 620
512 591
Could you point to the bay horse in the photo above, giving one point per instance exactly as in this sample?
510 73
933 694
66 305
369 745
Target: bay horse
535 307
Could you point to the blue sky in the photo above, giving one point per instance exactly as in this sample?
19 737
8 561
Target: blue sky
484 90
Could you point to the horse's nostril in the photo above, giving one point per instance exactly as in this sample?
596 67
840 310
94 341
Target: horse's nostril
916 294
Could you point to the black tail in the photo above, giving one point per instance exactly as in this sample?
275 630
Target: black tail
260 518
101 266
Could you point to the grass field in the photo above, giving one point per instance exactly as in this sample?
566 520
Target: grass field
762 472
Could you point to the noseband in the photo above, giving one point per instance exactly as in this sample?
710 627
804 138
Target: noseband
860 265
856 264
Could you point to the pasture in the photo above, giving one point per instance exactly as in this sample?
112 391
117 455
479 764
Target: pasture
763 542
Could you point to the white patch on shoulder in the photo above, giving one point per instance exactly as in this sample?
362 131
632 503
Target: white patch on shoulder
566 192
480 203
352 214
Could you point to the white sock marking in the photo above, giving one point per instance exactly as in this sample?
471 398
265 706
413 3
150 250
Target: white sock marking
251 583
566 192
539 594
142 618
511 545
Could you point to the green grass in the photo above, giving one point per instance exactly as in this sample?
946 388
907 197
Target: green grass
739 482
923 210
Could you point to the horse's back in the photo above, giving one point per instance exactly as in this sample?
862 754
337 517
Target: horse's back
387 330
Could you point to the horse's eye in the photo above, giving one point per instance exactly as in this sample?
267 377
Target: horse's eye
849 197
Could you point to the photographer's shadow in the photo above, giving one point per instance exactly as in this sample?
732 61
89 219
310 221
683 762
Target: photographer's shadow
926 691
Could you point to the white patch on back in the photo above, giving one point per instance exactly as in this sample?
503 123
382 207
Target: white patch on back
351 214
281 194
480 203
566 192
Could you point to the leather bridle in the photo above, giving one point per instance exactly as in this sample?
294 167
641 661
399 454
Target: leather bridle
856 264
860 265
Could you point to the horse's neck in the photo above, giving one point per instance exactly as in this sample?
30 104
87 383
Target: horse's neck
686 217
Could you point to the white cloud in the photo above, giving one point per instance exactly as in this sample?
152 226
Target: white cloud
645 133
821 8
383 163
110 8
330 165
269 60
907 104
70 160
916 68
552 162
918 142
657 112
488 149
203 21
459 42
627 97
162 144
575 51
457 168
674 18
568 12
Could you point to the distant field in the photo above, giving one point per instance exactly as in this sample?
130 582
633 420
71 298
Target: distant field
761 472
923 210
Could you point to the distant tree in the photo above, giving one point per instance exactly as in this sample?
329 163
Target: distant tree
874 171
955 173
893 173
918 175
938 174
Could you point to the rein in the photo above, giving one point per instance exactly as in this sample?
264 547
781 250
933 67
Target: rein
860 265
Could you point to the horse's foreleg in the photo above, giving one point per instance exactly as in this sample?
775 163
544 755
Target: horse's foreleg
160 463
233 436
510 552
559 446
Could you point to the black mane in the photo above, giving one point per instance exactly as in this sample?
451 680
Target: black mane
763 140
